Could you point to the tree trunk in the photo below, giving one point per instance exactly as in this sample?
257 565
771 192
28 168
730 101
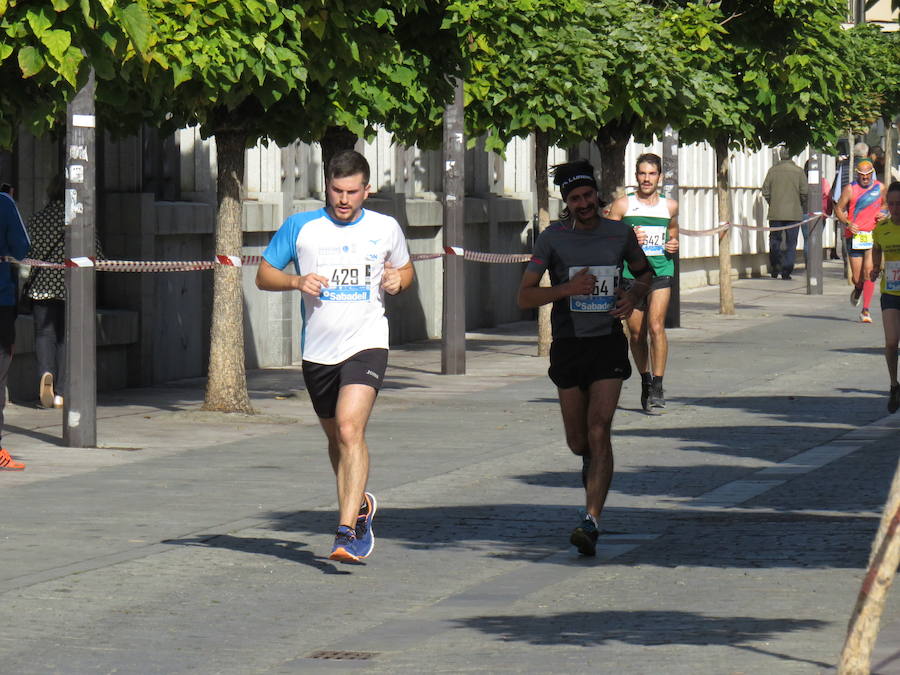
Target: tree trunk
723 193
226 387
335 140
541 148
612 141
863 628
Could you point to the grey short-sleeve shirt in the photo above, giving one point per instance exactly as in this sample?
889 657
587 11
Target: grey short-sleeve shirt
563 250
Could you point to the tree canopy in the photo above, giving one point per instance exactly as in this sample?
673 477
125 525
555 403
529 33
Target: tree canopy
531 67
281 70
780 70
245 70
47 50
873 56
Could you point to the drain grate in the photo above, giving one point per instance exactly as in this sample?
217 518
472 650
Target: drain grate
342 656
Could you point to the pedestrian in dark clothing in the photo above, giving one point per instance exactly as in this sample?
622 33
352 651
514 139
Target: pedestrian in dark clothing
14 243
47 290
786 191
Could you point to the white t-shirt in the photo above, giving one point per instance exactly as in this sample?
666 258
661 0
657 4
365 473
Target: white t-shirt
348 316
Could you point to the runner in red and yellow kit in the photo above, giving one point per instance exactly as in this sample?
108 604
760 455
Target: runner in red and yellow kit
858 209
887 249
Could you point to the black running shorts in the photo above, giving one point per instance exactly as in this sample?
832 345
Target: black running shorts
578 362
324 382
890 301
854 252
665 281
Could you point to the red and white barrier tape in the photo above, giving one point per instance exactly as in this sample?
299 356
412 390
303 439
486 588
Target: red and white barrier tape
142 265
703 233
247 260
762 228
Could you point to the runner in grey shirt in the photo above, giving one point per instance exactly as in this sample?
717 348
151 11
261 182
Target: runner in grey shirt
584 254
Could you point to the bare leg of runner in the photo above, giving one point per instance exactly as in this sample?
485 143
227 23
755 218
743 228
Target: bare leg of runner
640 352
657 306
573 405
637 340
587 417
891 320
868 284
856 271
347 447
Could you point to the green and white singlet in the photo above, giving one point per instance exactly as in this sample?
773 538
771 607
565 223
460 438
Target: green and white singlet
654 221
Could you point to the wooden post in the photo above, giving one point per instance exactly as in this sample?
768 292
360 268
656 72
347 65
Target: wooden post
888 151
723 192
670 189
864 623
542 192
80 396
453 330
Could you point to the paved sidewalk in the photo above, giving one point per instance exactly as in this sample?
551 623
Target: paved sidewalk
735 537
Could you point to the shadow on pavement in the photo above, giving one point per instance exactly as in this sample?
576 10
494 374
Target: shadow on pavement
670 481
795 407
721 539
874 351
644 628
51 439
291 551
773 443
824 317
850 390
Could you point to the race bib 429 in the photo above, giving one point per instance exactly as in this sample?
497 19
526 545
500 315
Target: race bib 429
347 283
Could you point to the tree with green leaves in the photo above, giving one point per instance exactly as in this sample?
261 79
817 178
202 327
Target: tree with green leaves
47 50
874 55
657 71
779 68
245 70
531 71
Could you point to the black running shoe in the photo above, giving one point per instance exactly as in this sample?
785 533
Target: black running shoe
584 537
894 400
657 396
645 394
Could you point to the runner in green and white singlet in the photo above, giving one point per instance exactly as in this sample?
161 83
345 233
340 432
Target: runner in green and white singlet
654 219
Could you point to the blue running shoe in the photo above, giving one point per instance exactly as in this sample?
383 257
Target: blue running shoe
365 535
584 537
344 545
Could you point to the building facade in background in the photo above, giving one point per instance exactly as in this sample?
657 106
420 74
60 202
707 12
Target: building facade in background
157 202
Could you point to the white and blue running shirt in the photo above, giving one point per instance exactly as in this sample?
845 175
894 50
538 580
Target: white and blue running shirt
348 317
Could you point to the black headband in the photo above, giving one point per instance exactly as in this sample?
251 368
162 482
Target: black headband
576 181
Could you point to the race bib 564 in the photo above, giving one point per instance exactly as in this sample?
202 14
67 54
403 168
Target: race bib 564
603 296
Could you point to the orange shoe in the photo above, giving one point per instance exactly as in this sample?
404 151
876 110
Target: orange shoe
7 463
